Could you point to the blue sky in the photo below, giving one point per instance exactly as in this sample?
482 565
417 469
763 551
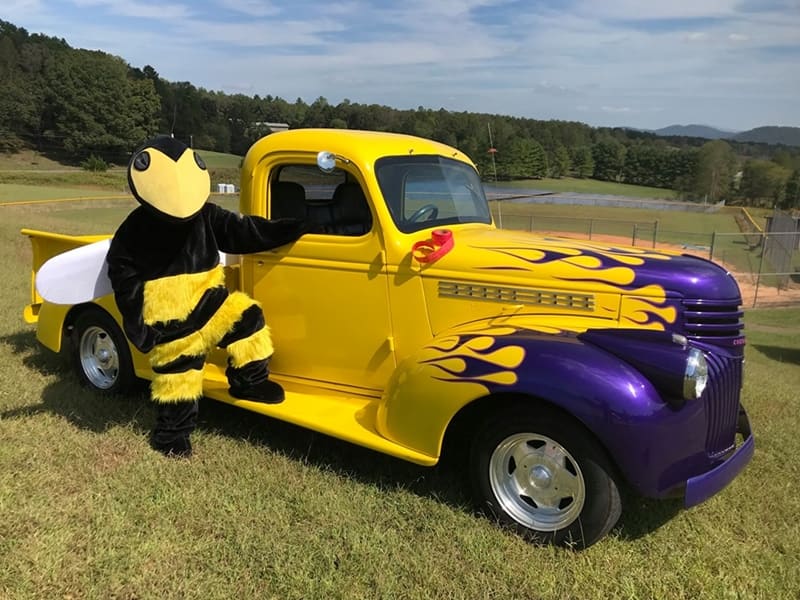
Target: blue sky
732 64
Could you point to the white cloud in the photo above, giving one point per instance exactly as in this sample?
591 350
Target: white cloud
14 10
252 8
606 57
696 36
674 9
147 10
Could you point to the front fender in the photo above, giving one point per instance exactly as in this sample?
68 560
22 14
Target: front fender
430 387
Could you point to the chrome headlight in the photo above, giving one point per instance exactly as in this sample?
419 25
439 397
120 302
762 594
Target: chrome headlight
695 377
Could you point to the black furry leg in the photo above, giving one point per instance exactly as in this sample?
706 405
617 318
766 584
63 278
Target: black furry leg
251 382
174 424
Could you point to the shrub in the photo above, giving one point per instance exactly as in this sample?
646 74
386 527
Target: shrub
95 163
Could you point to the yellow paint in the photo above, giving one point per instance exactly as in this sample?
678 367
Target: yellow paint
638 311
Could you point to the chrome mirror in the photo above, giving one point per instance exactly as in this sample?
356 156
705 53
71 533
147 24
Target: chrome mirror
326 161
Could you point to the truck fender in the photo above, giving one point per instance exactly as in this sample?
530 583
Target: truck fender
599 389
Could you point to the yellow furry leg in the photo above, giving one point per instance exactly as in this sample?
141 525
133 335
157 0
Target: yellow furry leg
257 346
200 342
177 387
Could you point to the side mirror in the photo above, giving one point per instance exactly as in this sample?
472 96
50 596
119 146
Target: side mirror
326 161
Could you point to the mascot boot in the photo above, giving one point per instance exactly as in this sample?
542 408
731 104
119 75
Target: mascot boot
249 347
251 382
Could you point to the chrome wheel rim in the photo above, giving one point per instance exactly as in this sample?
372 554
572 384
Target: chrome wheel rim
537 482
99 357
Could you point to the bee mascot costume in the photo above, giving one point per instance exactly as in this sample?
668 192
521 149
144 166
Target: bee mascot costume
169 285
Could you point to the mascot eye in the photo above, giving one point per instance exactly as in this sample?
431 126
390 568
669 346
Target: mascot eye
200 162
142 161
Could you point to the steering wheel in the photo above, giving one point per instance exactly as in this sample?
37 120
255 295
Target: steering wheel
429 211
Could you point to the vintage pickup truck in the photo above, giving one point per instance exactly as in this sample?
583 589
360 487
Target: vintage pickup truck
560 369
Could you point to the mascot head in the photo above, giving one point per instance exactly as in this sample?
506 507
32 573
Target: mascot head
169 178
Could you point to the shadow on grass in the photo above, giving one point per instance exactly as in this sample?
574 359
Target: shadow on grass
642 516
446 482
67 398
780 354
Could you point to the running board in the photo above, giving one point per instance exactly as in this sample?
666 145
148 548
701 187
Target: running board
347 417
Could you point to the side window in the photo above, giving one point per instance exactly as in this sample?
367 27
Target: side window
332 201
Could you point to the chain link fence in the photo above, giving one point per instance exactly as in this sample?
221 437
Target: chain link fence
765 263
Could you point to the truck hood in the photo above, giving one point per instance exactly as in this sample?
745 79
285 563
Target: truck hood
550 262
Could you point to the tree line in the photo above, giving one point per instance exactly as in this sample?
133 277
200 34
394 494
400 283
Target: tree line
75 104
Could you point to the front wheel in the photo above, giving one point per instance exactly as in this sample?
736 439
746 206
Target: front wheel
543 475
100 353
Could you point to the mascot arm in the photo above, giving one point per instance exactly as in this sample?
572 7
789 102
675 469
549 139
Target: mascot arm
128 289
244 234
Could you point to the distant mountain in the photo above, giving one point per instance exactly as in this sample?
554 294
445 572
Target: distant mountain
789 136
700 131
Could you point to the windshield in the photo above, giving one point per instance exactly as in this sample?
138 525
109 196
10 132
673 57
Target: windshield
431 191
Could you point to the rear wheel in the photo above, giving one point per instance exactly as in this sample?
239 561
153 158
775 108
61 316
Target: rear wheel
100 353
543 475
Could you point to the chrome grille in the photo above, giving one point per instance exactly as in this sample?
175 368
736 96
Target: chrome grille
722 402
495 293
713 322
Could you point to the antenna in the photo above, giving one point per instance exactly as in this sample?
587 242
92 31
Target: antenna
493 151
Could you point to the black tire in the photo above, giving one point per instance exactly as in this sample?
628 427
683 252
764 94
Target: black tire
100 353
544 476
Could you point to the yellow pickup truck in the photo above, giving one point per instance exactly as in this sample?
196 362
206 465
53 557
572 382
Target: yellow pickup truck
560 369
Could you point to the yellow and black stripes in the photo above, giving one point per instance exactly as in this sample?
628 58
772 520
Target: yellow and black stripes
175 297
183 386
159 268
238 325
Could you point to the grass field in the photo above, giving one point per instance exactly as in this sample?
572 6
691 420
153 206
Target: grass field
30 160
219 160
589 186
267 510
30 176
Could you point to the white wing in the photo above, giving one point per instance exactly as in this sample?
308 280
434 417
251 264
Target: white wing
81 275
75 276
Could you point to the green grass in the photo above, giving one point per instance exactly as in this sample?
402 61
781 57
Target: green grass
267 510
13 192
219 160
115 180
589 186
32 170
30 160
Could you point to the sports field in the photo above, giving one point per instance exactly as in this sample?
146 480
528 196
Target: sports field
267 510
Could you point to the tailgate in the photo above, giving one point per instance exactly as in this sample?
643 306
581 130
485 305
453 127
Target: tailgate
45 245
